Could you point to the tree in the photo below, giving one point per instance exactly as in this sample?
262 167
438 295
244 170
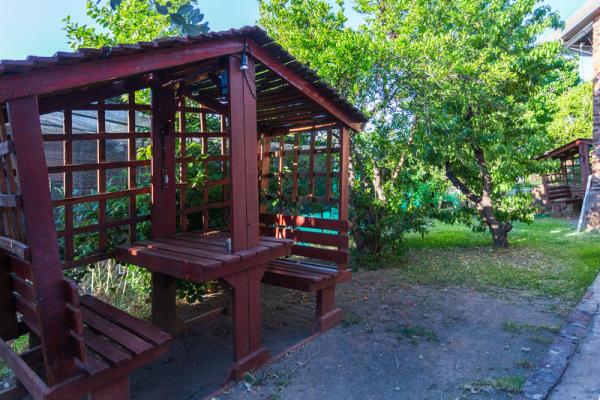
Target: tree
392 193
483 88
465 87
127 21
574 116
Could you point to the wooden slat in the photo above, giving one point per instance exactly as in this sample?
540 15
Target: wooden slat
24 289
10 200
30 314
121 336
15 247
186 247
305 222
7 148
139 327
336 256
324 239
34 384
105 348
21 268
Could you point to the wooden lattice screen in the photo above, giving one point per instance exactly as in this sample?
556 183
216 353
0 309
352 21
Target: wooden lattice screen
300 173
101 177
12 230
202 168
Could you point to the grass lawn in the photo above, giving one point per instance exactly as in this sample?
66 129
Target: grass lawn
546 257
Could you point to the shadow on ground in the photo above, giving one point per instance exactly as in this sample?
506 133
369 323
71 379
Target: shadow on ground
397 341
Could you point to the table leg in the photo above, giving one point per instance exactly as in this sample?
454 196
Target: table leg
249 352
164 299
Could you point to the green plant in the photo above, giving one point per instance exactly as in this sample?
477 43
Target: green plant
407 331
351 318
509 383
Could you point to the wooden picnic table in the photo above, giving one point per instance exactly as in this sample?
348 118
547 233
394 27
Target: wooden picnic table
200 257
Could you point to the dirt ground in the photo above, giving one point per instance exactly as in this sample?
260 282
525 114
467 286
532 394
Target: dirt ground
398 341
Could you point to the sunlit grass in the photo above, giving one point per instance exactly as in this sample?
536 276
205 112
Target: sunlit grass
546 257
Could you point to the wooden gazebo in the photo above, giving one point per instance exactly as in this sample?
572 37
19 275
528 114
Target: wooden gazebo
567 184
183 198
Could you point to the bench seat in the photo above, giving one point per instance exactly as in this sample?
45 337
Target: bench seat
111 343
304 276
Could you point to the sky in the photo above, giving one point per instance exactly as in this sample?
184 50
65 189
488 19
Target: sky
34 27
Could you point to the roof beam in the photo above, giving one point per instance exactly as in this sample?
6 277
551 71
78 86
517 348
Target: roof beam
87 73
86 96
302 84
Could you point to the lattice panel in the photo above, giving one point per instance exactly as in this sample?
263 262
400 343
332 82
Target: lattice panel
12 229
202 168
99 159
99 175
300 173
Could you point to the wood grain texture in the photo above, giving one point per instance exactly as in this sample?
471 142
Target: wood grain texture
42 239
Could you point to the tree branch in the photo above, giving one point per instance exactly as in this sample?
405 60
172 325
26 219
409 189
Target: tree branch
460 185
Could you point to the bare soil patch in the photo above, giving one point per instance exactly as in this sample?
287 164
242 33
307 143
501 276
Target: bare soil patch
398 341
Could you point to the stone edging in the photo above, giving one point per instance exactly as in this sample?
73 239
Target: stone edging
552 367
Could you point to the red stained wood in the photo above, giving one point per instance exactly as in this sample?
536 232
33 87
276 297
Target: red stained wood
301 84
123 337
15 247
305 222
139 327
164 208
105 348
54 103
238 107
45 260
69 76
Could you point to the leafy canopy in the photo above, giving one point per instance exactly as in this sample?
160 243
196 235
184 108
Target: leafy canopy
462 88
127 21
574 115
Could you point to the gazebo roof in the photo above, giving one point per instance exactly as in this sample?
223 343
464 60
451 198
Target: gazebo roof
566 150
289 94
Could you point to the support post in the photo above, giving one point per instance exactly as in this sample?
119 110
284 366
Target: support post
42 239
265 169
244 163
584 163
343 179
248 350
164 313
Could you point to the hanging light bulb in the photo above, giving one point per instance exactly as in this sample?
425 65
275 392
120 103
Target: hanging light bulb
244 59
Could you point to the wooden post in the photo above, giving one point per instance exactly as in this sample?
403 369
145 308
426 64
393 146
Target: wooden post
584 163
244 164
164 313
343 179
42 239
265 169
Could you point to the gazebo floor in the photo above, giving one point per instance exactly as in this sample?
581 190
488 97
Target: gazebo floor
200 358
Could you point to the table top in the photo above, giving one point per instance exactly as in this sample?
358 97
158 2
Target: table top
200 257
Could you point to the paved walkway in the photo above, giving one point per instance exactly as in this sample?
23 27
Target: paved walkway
581 380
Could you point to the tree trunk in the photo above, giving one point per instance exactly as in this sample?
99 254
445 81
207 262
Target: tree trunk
499 230
483 202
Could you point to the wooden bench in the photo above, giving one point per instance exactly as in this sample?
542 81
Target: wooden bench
106 343
318 263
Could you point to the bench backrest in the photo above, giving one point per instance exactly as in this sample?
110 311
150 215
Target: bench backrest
320 239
